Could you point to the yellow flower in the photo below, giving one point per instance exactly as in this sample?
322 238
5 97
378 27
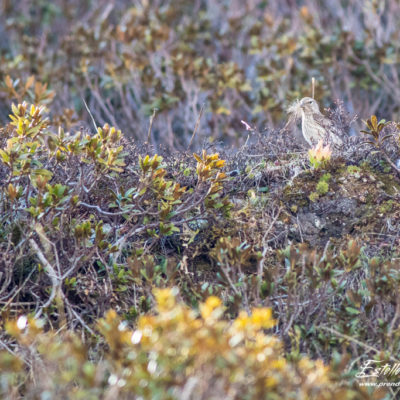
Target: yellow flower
165 299
208 308
242 321
261 318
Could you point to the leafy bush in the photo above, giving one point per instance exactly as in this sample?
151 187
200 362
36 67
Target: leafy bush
174 354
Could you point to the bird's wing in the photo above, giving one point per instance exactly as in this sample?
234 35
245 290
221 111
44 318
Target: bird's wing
326 123
329 127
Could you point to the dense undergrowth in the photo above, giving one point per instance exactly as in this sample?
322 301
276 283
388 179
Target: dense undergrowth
153 264
92 222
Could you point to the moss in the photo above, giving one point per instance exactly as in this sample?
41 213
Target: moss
390 184
296 193
322 187
386 207
352 169
326 177
386 167
314 196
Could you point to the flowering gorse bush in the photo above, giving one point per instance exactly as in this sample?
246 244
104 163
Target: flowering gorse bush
174 353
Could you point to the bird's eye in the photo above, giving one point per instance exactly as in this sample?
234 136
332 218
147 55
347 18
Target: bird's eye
310 102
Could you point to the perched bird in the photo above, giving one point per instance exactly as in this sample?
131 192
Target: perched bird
315 126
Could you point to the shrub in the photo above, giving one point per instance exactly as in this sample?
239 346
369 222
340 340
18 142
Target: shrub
175 353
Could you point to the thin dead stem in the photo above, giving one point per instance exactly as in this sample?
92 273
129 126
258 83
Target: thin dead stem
196 126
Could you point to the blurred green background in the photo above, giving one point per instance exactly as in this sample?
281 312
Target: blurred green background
241 59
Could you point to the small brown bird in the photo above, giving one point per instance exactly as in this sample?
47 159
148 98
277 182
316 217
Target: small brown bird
315 126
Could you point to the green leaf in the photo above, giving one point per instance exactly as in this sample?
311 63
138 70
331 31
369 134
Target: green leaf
4 156
352 311
197 157
14 109
42 172
374 122
129 192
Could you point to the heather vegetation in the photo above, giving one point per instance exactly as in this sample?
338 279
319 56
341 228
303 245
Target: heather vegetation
152 245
